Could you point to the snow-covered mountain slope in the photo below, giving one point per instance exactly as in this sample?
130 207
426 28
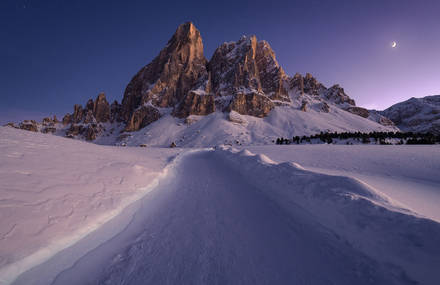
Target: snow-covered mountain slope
54 191
227 217
235 129
416 114
242 77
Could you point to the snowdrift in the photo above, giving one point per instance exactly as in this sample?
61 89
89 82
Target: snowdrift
54 191
401 243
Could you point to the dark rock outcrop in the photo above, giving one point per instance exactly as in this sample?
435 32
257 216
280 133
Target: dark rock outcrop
324 107
48 130
336 95
252 104
78 114
67 119
247 65
196 104
142 117
115 112
29 125
101 109
358 111
312 86
303 106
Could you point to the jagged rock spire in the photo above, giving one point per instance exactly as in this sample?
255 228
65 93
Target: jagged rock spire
168 78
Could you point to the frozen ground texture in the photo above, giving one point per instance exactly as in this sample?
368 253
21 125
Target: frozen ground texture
231 217
54 191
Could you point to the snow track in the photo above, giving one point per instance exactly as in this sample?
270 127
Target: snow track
222 217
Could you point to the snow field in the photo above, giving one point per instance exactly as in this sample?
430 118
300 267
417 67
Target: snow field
54 191
87 214
402 242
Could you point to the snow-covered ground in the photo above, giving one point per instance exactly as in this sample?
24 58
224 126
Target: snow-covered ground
224 216
407 173
233 128
54 191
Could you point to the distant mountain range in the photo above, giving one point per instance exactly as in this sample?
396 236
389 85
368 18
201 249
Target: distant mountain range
242 95
416 114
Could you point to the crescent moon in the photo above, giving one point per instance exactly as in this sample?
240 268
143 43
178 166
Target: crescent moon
394 44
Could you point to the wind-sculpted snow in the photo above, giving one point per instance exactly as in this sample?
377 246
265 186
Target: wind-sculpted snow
403 243
228 217
54 191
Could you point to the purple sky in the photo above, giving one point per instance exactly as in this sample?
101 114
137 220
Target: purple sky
55 53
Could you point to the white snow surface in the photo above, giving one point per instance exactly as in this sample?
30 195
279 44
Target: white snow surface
54 191
220 216
407 173
233 128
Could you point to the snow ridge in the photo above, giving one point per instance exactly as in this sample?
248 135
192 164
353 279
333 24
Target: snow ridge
352 211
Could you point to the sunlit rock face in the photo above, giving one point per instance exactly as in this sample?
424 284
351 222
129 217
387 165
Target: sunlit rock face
252 104
168 78
243 77
196 103
248 71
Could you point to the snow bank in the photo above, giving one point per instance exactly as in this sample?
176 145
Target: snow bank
400 241
408 174
54 191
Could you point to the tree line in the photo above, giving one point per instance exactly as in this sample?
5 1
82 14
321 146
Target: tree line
383 138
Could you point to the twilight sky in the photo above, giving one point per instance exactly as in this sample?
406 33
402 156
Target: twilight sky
55 53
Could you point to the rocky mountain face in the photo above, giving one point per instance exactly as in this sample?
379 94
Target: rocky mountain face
242 76
166 81
416 114
88 121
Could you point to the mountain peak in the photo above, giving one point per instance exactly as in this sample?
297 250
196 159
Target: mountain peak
186 31
168 78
